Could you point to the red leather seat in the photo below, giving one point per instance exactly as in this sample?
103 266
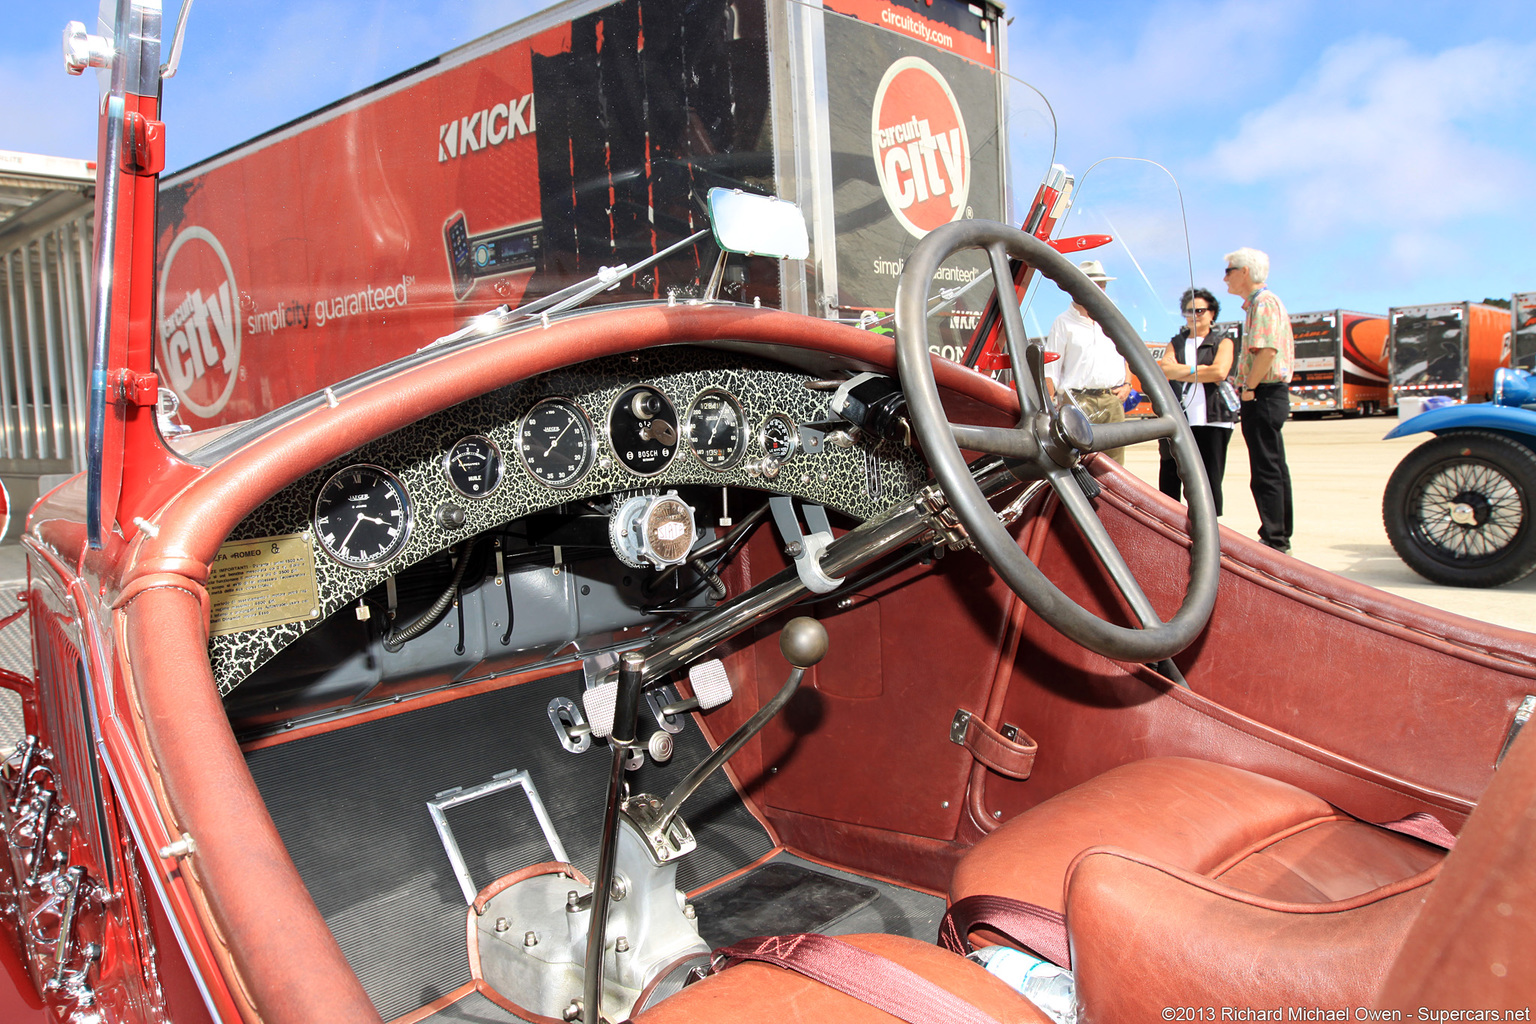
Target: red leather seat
1147 936
1184 880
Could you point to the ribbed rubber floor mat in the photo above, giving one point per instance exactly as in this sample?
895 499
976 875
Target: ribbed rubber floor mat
351 807
777 899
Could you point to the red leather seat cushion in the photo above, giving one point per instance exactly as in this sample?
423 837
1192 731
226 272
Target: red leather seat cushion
757 993
1251 832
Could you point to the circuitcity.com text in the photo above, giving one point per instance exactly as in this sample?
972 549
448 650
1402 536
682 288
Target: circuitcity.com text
1340 1013
916 26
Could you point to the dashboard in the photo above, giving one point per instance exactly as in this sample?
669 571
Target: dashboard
654 445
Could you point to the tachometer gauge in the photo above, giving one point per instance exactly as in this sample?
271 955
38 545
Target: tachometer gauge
715 429
362 516
473 466
780 438
642 427
556 442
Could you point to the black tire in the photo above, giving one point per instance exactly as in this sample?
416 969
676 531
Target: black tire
1458 509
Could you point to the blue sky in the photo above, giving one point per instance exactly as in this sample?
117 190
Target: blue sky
1382 153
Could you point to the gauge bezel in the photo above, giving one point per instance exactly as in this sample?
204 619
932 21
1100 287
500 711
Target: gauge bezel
677 424
794 438
743 431
496 455
408 518
588 432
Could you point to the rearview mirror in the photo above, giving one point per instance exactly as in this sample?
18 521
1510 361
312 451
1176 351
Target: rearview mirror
757 225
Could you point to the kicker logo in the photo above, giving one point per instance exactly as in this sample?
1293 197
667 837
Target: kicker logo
485 128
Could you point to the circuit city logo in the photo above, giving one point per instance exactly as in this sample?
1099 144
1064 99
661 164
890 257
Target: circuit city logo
199 328
485 128
922 155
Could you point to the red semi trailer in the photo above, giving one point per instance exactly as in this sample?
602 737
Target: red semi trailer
1447 349
1341 362
481 178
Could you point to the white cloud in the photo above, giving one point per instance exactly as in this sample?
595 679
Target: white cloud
1107 84
47 111
1378 135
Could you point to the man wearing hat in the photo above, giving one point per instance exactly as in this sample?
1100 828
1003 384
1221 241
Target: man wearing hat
1091 370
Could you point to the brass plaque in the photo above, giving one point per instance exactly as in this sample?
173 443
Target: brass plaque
266 581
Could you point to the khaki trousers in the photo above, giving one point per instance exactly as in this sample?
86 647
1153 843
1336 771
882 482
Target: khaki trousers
1103 407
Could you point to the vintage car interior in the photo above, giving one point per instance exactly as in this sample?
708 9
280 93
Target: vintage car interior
664 598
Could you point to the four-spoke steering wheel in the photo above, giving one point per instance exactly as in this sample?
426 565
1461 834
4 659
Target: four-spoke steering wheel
1048 443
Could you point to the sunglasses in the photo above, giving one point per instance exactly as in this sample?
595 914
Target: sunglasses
1230 270
1197 310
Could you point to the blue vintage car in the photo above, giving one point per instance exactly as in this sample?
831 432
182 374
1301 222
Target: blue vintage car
1458 508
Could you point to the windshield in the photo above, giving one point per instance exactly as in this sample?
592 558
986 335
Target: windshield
584 140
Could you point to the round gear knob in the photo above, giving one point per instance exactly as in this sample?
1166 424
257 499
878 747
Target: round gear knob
660 746
803 641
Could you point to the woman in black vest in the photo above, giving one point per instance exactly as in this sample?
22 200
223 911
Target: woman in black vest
1196 363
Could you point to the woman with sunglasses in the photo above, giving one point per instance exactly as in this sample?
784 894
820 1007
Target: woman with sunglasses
1196 362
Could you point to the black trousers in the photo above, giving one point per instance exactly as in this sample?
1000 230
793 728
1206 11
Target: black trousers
1270 478
1212 442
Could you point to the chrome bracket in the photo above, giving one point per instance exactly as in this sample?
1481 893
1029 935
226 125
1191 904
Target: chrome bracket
664 842
958 727
948 531
1523 714
570 724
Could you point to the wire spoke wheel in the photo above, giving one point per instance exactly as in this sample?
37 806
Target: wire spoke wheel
1458 509
1471 511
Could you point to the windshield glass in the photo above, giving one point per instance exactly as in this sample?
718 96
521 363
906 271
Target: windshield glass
584 140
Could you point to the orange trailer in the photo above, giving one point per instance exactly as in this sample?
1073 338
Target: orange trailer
1447 349
1341 362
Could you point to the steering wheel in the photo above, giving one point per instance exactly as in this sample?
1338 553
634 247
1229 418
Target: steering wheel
1049 443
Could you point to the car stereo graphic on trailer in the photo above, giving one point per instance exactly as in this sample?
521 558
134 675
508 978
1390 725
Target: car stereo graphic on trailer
502 251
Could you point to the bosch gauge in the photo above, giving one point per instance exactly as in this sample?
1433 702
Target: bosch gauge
642 427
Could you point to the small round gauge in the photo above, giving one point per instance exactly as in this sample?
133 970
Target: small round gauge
362 516
473 466
556 442
715 429
780 438
642 427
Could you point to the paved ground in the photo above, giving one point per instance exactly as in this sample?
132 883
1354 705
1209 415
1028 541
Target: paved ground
1339 469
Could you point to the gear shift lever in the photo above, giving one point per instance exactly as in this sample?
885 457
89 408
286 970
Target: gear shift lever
803 642
626 712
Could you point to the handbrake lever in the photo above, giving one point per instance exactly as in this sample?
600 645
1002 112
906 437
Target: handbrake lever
803 642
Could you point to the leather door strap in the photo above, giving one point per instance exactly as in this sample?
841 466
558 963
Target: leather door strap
868 977
1027 924
1010 756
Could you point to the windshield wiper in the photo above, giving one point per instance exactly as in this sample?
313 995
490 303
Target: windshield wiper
566 298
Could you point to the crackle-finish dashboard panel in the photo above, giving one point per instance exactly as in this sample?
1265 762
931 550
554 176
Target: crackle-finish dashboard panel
636 423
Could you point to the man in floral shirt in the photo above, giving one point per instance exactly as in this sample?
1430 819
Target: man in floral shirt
1264 375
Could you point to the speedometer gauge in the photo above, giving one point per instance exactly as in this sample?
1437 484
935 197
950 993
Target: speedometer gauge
556 442
362 516
715 429
473 466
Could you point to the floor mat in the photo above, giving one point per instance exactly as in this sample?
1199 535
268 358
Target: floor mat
351 807
778 898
